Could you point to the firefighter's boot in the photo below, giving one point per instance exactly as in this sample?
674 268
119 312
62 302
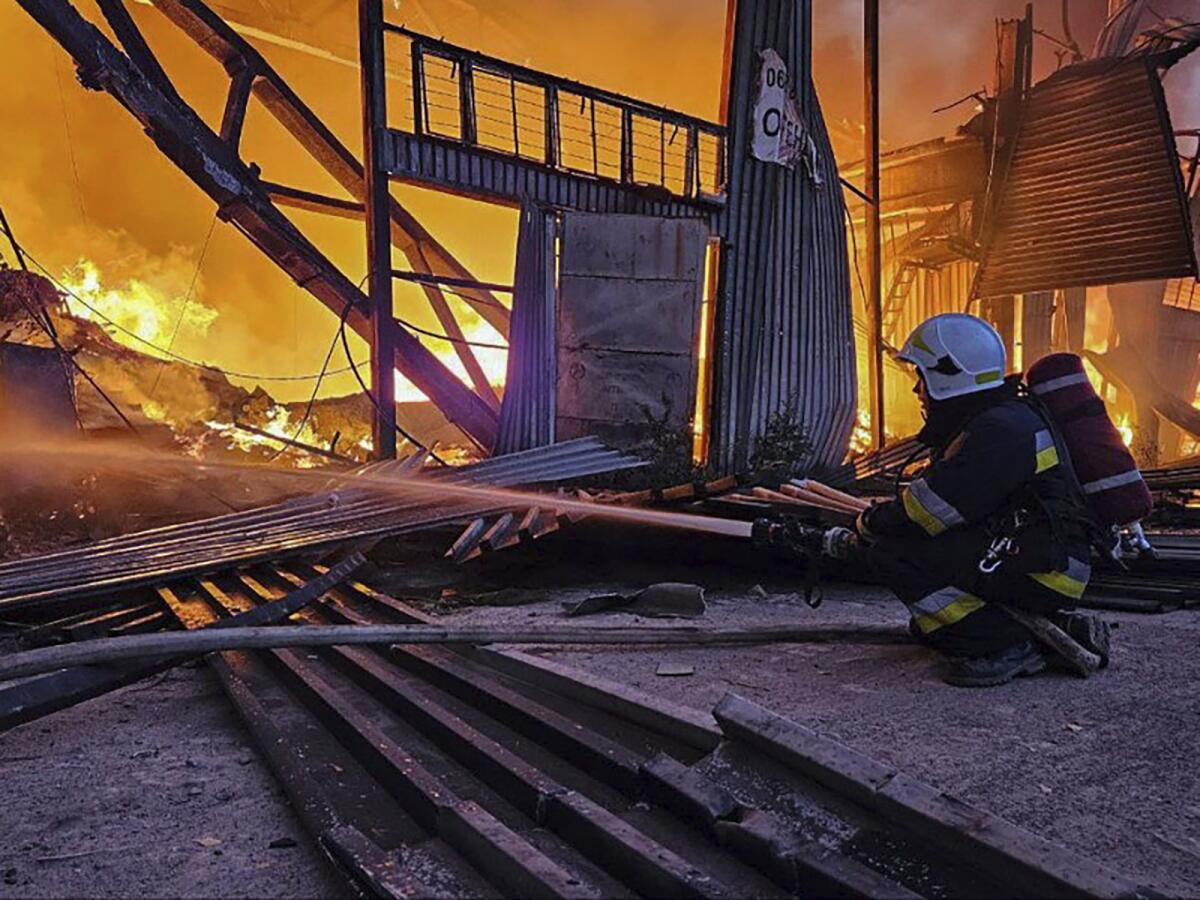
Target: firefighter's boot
997 668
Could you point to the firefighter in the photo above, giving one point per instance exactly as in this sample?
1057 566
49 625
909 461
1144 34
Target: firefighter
995 521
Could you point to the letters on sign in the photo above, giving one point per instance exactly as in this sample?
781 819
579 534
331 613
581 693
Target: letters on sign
779 133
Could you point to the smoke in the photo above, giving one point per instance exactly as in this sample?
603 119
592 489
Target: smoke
932 53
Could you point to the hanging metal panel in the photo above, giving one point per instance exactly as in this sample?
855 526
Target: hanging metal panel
1094 194
785 334
527 411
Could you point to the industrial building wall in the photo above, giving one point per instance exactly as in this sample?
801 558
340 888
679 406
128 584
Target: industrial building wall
784 333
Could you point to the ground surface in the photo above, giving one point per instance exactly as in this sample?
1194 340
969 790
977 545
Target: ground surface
102 801
1104 767
154 790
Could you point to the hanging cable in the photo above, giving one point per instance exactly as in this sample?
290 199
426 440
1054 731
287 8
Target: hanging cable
862 288
318 377
187 301
233 373
7 229
67 355
445 337
62 101
375 403
316 387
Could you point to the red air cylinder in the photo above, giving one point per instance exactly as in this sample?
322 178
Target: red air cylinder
1110 478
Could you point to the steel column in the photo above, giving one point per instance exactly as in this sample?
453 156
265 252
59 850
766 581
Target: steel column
874 296
379 247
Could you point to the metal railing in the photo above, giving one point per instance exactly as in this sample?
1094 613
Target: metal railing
499 107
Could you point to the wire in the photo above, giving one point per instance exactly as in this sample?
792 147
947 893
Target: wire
316 387
469 299
66 354
862 288
445 337
375 403
187 301
888 348
177 357
978 96
318 376
62 102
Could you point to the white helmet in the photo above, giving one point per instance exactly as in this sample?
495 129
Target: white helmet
958 354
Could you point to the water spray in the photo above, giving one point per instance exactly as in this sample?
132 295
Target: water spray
406 485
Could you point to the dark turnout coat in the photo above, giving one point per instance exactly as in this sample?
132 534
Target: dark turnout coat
999 474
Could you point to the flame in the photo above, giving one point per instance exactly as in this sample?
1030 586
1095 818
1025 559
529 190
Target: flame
860 437
278 423
492 360
149 319
155 411
1126 428
139 308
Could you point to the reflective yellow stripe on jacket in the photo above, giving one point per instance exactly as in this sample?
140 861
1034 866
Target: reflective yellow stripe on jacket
928 510
1047 453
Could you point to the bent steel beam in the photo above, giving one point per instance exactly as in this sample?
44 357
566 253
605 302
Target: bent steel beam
179 132
424 253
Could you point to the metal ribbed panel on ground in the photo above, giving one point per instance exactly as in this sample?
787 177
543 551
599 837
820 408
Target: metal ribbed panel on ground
354 512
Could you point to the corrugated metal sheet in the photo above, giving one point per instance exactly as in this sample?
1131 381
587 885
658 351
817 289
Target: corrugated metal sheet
784 331
527 411
301 526
487 175
1094 194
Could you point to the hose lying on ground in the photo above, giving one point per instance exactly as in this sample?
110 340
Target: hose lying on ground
191 643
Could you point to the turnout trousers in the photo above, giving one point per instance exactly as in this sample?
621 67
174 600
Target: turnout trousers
955 607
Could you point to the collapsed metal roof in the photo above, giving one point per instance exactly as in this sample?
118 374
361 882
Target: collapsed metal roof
1094 193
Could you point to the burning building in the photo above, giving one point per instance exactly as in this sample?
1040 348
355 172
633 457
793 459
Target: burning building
536 265
748 291
517 137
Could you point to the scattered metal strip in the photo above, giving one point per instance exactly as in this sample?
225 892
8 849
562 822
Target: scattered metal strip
1094 194
40 696
1013 857
296 527
591 803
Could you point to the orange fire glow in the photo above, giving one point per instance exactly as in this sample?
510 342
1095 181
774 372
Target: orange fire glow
493 361
148 319
1125 427
137 309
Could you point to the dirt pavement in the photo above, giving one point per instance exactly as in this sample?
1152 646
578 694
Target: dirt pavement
1105 767
130 794
153 791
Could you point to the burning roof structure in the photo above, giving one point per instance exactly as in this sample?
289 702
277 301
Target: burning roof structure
643 159
1052 188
